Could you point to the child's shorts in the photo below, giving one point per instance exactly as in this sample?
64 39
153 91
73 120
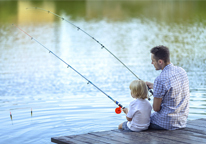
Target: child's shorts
125 128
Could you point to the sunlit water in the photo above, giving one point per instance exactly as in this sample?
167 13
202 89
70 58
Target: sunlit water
62 102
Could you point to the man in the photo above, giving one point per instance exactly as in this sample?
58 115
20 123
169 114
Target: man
170 91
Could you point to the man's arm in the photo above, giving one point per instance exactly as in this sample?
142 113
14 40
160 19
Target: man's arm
157 104
156 101
150 85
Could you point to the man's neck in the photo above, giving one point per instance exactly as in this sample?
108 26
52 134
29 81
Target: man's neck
165 65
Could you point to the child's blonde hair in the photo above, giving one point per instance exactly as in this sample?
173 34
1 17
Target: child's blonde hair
139 89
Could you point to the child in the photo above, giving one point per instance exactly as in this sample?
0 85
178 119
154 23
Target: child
138 115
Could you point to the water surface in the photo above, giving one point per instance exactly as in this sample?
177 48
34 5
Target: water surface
62 102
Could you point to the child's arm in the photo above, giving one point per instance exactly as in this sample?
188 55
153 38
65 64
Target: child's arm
125 110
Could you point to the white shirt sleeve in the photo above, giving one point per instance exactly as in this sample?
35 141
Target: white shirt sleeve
131 111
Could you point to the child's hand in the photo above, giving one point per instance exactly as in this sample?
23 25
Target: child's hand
125 110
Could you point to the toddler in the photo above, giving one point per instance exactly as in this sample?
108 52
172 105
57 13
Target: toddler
138 115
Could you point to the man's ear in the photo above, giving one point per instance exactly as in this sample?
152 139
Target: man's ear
160 62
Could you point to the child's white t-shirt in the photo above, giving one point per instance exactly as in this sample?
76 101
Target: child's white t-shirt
139 111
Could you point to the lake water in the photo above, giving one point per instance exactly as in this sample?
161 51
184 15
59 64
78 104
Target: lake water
62 102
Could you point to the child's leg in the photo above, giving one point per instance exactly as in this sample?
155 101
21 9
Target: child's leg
124 127
120 126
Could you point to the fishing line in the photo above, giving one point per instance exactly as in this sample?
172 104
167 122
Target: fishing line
102 46
118 110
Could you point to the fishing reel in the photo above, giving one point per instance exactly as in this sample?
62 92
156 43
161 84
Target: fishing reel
118 110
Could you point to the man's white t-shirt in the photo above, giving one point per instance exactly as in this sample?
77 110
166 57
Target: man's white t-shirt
139 111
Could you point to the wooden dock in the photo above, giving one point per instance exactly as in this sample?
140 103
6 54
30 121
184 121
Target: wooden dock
195 132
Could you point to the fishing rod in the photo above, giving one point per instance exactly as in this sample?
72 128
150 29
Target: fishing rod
117 110
102 46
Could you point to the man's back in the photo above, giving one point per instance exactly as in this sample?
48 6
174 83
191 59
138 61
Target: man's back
172 86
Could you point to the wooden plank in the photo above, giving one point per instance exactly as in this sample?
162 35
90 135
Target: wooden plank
178 136
65 140
193 133
149 137
196 129
143 137
198 122
106 137
100 139
112 135
185 132
87 139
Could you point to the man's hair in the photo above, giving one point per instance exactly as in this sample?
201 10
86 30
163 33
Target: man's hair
139 89
161 52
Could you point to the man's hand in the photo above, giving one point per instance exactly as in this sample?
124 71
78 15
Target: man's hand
150 85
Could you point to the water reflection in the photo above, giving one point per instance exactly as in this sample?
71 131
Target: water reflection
61 100
160 11
25 16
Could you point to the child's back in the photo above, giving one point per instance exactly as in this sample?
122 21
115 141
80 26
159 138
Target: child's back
139 111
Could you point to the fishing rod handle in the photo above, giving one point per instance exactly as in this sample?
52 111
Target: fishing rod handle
119 105
150 91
